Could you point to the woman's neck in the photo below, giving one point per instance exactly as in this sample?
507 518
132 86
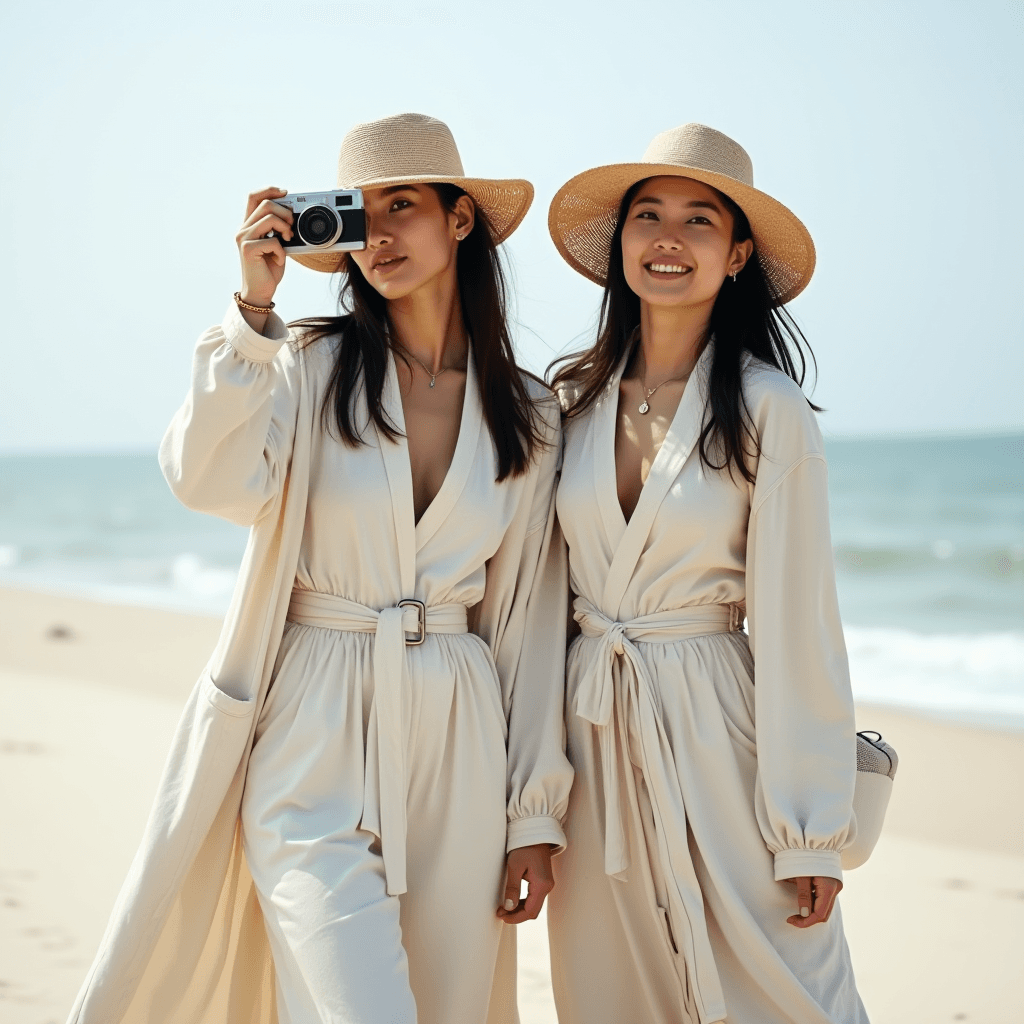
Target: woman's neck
428 324
671 341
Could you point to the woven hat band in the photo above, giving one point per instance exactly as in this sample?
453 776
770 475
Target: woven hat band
403 146
696 145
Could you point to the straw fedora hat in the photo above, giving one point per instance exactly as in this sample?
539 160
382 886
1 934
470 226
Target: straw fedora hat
584 211
413 149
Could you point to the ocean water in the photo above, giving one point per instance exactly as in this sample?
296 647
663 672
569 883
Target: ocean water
928 537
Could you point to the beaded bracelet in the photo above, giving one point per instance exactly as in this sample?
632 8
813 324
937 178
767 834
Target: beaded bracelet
255 309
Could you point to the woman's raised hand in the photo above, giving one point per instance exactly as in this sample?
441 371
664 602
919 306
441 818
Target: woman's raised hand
263 258
815 898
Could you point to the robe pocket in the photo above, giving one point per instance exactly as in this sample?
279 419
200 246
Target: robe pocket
666 924
733 680
740 727
224 702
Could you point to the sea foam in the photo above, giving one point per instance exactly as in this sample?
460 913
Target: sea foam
977 676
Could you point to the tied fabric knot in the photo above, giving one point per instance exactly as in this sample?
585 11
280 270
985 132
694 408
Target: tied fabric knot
595 702
616 635
617 674
615 693
595 697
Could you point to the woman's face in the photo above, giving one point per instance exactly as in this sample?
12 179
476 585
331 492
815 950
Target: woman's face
410 238
677 245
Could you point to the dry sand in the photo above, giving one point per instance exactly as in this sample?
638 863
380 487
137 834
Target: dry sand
90 694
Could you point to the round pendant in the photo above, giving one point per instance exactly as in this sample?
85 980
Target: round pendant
644 408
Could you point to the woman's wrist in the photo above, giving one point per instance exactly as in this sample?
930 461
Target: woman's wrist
254 313
253 302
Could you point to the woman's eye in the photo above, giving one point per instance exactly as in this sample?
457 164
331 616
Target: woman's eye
400 204
699 220
646 215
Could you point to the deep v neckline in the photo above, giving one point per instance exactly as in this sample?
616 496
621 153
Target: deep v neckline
628 537
465 413
606 444
412 535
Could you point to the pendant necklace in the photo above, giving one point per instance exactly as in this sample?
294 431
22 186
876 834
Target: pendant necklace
645 407
433 376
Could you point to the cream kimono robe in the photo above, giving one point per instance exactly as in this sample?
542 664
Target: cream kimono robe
188 938
709 765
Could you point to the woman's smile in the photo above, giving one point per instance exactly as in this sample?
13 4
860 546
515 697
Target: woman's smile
664 270
677 244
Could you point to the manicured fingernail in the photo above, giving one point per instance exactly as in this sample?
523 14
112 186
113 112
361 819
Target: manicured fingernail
510 904
805 911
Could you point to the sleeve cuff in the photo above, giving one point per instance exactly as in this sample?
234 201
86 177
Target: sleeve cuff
538 828
258 348
808 863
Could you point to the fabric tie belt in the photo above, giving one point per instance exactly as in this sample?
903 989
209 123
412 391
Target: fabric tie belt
396 628
617 677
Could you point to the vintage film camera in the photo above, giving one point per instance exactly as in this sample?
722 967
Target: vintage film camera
325 222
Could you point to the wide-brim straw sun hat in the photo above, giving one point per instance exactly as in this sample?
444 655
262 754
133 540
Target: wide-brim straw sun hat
585 209
413 149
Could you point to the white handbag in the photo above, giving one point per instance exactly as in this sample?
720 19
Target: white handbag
876 769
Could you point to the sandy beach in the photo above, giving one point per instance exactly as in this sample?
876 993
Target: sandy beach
90 694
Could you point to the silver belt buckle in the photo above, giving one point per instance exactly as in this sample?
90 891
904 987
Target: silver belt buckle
421 621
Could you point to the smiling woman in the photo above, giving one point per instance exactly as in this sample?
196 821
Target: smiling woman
714 769
372 762
712 244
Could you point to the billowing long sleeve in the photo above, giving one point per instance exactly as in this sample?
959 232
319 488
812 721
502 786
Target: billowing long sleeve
804 711
523 618
228 447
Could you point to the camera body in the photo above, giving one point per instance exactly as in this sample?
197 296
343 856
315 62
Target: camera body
325 222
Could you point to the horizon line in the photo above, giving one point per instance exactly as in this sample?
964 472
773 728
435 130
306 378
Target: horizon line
972 433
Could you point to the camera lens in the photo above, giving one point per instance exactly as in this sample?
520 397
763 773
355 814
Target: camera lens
318 226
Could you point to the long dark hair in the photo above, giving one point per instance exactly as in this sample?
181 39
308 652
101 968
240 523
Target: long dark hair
363 344
747 317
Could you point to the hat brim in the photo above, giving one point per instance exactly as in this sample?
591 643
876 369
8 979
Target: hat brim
583 214
505 201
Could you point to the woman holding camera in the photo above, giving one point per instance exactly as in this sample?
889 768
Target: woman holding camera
373 733
714 772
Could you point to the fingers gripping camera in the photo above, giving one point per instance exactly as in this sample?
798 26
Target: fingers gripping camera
325 222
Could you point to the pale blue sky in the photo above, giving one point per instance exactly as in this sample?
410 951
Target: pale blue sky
132 133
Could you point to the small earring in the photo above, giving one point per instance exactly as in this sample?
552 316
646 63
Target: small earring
459 238
734 277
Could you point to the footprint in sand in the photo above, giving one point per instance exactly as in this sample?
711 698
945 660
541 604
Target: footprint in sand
52 939
21 747
962 885
12 992
11 884
957 883
1010 894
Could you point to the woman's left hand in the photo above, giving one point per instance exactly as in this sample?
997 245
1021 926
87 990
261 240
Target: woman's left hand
817 896
534 864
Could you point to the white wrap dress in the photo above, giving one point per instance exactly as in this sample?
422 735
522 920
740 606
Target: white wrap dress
379 780
709 765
